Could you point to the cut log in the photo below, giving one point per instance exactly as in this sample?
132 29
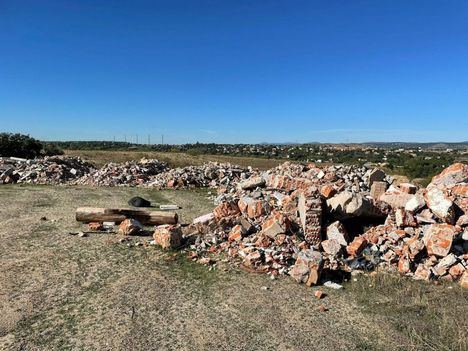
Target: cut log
92 214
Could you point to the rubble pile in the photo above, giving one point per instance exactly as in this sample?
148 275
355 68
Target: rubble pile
47 170
210 174
131 173
305 221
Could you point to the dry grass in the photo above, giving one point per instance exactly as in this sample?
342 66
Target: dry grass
175 159
433 317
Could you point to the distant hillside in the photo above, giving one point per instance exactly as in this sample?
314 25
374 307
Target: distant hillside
433 145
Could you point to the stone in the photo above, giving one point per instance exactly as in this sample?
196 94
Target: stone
404 218
456 173
395 199
348 205
236 233
254 207
464 279
422 273
440 205
356 246
377 189
404 265
168 236
337 231
463 220
438 239
408 188
130 227
415 203
252 183
331 246
274 225
307 267
376 175
445 263
456 270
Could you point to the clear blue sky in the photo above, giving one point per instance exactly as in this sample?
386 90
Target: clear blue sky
235 71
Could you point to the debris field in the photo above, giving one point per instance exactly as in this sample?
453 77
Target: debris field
300 220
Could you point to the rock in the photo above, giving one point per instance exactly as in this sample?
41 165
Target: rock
440 205
308 267
130 227
337 231
463 220
464 279
404 265
252 183
274 225
438 239
456 173
456 270
396 199
377 189
168 236
404 218
348 205
415 203
445 263
408 188
356 246
331 246
253 208
376 175
422 273
236 233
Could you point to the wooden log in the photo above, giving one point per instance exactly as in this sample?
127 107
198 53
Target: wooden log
92 214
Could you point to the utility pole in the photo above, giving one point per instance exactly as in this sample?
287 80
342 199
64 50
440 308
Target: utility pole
125 137
137 139
162 139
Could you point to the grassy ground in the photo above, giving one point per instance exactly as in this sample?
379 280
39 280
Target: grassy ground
175 159
61 292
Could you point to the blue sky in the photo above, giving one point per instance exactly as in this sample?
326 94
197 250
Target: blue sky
235 71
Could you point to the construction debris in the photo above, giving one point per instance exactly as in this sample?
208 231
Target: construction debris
47 170
294 219
301 221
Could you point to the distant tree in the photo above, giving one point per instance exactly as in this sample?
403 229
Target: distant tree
19 145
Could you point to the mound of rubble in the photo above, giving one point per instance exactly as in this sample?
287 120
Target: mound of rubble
131 173
210 174
47 170
305 221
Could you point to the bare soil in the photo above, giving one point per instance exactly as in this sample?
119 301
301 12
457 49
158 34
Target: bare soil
60 292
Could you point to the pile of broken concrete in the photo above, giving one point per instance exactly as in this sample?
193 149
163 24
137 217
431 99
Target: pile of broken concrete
47 170
308 222
210 174
130 173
